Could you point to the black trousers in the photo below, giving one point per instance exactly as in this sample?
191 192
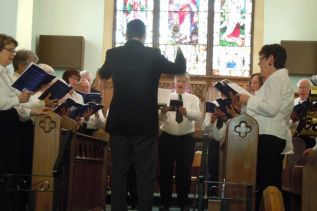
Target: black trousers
269 164
141 151
213 164
132 188
309 141
178 151
11 159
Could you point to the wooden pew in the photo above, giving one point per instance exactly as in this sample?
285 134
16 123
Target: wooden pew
46 146
299 178
77 162
240 157
272 199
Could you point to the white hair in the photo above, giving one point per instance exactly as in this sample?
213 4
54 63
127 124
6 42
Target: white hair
86 75
305 79
47 68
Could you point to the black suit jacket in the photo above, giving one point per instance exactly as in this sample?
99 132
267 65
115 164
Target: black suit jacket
135 71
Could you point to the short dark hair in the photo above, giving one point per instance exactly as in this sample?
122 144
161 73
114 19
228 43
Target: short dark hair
277 51
69 73
6 40
135 28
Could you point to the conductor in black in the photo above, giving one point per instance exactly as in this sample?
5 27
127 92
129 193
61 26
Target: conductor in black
133 114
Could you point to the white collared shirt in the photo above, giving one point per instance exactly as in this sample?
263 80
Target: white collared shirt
211 129
9 95
96 123
273 105
168 120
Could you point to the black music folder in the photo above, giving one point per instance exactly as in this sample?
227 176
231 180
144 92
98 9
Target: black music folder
32 79
175 104
223 103
58 90
91 97
300 109
210 107
224 88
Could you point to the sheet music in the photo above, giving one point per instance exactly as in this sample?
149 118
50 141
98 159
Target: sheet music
238 88
163 96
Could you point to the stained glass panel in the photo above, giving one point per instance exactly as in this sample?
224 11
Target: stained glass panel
182 23
127 10
232 37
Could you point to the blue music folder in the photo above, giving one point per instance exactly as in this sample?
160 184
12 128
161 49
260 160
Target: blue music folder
91 97
58 90
32 79
82 109
68 104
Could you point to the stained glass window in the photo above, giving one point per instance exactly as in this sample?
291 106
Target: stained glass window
232 37
184 24
127 10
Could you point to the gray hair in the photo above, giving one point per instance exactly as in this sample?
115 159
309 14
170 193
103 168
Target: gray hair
304 79
185 75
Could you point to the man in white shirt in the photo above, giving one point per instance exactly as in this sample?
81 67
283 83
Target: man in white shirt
304 85
177 144
95 121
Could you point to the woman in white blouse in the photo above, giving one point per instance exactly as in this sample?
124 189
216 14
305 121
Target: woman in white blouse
271 107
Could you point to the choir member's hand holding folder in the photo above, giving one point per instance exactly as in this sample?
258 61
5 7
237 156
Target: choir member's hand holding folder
223 106
91 97
57 90
84 110
75 110
175 105
32 79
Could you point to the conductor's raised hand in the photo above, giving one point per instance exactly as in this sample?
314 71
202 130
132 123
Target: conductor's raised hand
179 51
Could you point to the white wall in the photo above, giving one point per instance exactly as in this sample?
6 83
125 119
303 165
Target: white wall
24 24
8 17
289 20
76 18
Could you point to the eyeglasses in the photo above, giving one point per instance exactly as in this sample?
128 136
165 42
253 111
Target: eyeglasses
261 57
10 50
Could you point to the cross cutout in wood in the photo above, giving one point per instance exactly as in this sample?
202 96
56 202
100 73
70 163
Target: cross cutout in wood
242 129
47 124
